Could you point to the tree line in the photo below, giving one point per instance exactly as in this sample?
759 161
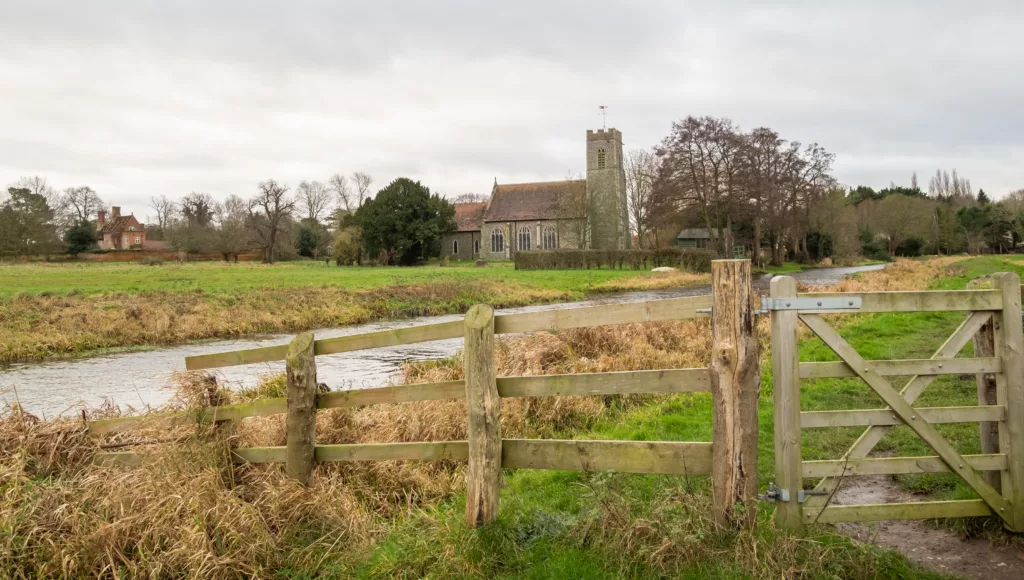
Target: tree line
403 226
760 190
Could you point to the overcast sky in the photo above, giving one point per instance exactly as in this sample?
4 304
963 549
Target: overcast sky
140 98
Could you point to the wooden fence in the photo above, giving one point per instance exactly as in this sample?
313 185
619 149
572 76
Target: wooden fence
993 321
484 450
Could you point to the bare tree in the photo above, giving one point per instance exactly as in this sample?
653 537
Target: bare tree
362 183
641 170
197 209
699 170
340 187
230 219
469 198
913 180
268 211
951 189
81 203
314 199
899 217
165 209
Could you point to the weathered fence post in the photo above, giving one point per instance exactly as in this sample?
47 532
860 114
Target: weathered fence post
1009 341
984 346
735 388
301 421
786 400
483 408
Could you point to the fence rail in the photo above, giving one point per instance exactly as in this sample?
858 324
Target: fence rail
652 311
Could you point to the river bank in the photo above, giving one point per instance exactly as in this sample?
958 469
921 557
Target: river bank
140 379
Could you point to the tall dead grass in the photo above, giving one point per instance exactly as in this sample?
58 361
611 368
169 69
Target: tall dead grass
187 513
38 327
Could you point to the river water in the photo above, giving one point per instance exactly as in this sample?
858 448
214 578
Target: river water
142 379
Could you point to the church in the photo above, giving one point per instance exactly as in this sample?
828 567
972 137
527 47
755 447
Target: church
519 217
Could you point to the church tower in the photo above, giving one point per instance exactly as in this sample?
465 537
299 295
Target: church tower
606 191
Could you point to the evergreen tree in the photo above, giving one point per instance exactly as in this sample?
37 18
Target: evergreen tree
80 238
404 223
982 197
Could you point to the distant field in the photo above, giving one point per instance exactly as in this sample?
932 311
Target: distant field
222 277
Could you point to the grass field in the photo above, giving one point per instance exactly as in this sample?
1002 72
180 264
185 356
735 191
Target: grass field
51 310
220 277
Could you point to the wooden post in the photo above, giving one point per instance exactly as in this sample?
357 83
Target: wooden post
1009 343
786 399
483 408
301 421
984 346
735 388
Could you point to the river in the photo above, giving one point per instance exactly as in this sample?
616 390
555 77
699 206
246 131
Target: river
142 379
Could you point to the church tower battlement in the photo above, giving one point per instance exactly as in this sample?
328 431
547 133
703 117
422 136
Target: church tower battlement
606 191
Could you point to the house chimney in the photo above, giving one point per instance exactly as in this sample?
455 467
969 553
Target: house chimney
115 211
101 219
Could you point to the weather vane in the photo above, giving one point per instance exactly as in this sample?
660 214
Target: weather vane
604 115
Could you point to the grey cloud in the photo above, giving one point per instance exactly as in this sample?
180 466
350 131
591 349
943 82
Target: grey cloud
143 98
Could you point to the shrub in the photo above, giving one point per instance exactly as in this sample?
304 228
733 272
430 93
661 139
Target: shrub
685 259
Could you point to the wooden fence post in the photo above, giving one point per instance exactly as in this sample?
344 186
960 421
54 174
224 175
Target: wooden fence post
984 346
301 420
735 389
1009 341
786 400
483 409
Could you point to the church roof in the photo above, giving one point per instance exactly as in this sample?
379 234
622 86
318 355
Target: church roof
469 216
530 201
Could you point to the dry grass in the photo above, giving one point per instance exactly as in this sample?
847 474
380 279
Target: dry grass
654 281
188 514
37 327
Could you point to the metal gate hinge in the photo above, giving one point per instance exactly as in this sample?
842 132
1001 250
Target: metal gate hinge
831 303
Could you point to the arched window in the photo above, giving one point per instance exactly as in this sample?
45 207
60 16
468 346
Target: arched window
600 158
524 238
497 240
455 246
549 238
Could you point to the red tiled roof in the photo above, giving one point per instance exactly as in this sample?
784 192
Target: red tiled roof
469 216
530 201
120 224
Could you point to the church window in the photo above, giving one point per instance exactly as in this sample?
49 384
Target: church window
455 246
476 246
600 158
497 241
550 238
524 238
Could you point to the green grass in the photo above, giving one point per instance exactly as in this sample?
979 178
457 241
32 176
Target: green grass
93 278
538 533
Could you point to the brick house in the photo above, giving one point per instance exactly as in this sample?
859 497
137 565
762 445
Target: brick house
121 232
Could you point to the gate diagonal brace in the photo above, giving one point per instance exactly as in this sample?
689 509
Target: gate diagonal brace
807 305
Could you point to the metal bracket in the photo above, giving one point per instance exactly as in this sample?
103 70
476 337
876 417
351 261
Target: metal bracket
778 494
830 303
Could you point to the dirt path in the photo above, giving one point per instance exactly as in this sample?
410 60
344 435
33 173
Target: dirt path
938 549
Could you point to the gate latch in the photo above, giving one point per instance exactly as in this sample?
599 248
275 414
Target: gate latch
776 493
830 303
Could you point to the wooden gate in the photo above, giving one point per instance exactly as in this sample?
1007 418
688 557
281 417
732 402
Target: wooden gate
1000 305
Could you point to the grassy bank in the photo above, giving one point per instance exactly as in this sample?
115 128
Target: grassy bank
189 515
81 309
